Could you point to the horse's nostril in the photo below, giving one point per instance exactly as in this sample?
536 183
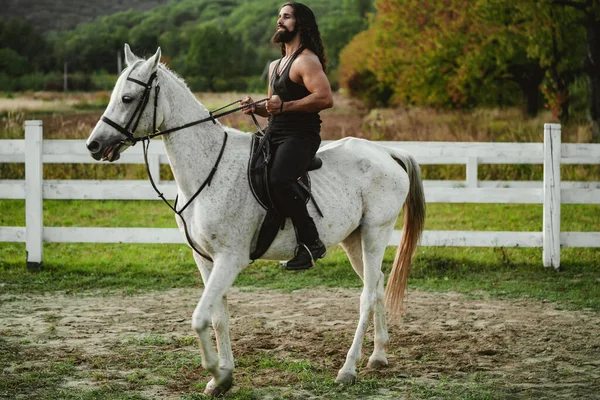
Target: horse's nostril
93 147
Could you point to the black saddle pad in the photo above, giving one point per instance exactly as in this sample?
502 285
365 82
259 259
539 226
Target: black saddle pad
260 156
258 178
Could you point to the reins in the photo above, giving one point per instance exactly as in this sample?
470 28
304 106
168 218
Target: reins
134 121
155 132
212 117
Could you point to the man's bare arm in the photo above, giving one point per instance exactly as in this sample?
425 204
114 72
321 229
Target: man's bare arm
309 70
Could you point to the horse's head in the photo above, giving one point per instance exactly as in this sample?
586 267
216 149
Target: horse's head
131 112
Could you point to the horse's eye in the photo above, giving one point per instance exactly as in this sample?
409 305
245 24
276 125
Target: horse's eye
127 99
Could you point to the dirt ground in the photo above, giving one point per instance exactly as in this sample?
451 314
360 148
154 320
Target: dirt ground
526 349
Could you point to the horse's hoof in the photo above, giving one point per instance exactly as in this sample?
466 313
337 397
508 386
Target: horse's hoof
210 387
376 363
216 390
345 377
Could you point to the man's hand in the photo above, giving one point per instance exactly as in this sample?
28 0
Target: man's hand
273 105
250 109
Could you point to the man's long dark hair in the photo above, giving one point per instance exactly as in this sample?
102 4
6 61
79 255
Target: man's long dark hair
306 25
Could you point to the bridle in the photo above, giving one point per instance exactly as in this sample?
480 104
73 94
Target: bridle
129 130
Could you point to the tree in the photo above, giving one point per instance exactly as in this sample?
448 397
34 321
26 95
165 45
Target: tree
457 54
212 54
589 16
437 53
357 71
244 27
337 31
12 63
19 40
359 8
553 39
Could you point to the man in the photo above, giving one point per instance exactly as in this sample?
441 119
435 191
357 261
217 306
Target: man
298 91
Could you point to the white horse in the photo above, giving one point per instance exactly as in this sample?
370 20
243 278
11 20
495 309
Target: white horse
360 189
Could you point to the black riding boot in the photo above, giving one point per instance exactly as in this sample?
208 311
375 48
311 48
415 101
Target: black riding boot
306 255
310 248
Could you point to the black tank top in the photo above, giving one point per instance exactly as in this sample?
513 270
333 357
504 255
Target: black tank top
291 123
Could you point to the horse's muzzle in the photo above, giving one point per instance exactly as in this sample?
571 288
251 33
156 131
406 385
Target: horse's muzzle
105 153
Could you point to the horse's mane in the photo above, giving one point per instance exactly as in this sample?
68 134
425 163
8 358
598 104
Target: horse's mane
161 67
177 77
181 82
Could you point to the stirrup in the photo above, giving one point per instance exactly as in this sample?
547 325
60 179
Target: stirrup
303 263
312 259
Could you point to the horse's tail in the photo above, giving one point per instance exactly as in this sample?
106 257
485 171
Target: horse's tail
414 221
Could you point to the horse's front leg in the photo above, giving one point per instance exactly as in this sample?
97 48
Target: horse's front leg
220 323
212 308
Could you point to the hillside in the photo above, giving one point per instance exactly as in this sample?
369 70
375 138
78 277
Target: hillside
61 15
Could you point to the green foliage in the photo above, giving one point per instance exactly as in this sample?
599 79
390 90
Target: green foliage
580 94
217 45
360 8
215 56
448 53
22 49
339 28
60 15
12 63
441 53
357 74
34 81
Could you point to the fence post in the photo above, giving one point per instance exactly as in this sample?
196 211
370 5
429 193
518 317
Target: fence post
472 179
33 195
551 220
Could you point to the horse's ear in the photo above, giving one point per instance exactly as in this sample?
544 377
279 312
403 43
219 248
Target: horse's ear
156 59
130 58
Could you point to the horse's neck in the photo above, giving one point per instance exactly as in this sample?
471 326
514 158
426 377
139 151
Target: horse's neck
193 151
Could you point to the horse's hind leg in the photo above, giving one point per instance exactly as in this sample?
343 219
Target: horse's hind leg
220 323
353 247
379 357
373 243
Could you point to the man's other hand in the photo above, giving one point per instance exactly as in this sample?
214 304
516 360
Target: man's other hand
250 109
273 105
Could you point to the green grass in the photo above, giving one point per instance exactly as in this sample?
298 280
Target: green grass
500 272
92 213
440 216
491 217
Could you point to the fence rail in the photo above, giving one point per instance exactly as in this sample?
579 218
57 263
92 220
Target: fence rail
551 192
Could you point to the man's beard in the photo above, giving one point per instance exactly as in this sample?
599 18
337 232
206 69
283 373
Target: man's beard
283 36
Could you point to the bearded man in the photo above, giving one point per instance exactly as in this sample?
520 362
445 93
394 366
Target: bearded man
298 91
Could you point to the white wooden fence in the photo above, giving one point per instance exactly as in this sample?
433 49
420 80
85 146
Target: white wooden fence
551 192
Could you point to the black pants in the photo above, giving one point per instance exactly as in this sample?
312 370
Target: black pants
290 156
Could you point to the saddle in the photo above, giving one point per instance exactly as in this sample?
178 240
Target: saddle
258 177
